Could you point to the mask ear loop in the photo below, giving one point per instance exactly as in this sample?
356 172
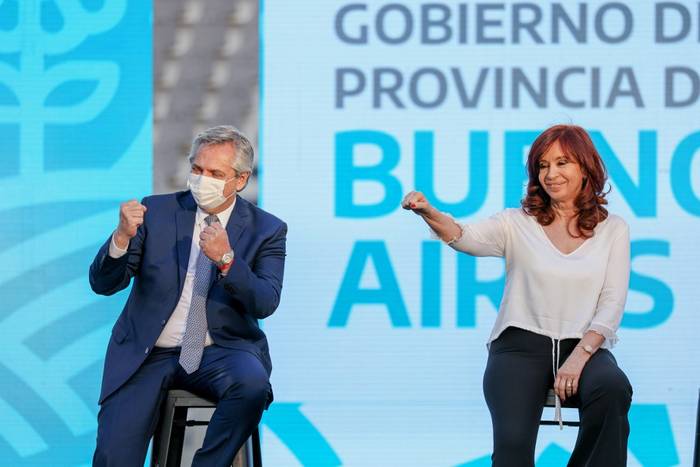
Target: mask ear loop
238 175
235 192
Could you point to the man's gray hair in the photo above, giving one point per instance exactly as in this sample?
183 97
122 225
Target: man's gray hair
242 162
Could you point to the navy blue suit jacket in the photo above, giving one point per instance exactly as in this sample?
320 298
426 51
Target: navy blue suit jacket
157 259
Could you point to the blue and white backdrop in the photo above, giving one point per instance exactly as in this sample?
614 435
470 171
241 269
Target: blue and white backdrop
379 342
380 336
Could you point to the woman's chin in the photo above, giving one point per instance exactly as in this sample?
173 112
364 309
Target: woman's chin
559 197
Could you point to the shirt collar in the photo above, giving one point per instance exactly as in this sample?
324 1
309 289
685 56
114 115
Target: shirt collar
223 215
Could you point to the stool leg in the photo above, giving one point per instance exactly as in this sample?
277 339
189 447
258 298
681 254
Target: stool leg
161 440
249 454
257 454
177 437
696 454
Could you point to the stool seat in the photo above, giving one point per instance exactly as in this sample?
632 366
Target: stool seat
170 433
550 401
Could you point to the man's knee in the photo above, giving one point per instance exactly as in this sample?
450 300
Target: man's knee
252 388
106 457
123 432
116 451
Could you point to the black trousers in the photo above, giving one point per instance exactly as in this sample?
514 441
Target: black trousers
235 379
517 377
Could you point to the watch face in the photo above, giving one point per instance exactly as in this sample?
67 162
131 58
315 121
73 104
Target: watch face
227 258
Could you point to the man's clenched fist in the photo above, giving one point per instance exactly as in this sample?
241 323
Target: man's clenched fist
214 241
130 218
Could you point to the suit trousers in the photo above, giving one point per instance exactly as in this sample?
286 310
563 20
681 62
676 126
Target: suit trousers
517 377
235 379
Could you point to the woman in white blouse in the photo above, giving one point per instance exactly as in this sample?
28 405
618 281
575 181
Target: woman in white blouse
567 274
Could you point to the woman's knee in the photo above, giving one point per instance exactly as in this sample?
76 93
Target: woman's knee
610 387
514 441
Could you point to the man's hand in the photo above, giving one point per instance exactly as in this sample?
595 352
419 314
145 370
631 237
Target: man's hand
130 218
214 241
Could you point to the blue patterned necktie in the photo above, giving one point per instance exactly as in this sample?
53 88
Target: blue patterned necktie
196 327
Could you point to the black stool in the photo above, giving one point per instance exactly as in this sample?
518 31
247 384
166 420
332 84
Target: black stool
696 454
170 433
567 404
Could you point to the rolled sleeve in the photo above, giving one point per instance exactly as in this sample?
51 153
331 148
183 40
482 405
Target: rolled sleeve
483 238
613 295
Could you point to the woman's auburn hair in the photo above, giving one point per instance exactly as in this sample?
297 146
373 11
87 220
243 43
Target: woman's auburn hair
576 144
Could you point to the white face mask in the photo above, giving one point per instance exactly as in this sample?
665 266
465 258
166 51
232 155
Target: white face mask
208 192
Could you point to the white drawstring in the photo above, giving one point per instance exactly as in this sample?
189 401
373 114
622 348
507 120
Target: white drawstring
555 367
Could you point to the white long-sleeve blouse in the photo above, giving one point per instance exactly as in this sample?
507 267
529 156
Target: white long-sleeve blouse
546 291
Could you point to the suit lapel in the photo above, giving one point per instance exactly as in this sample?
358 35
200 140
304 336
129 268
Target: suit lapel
238 222
235 227
184 225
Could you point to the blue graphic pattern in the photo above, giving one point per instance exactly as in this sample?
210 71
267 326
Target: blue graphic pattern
301 437
75 138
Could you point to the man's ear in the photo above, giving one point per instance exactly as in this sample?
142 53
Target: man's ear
242 181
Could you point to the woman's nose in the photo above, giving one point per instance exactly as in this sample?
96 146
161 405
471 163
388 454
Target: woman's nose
550 174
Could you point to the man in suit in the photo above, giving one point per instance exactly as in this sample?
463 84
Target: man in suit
206 266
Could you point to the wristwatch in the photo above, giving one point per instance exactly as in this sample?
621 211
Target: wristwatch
225 260
587 348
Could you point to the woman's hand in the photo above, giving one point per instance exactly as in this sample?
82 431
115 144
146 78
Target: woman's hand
444 226
415 201
566 382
